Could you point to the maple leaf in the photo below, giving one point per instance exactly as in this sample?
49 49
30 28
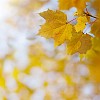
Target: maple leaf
51 15
96 44
60 30
81 23
67 4
95 29
93 57
56 26
64 34
79 43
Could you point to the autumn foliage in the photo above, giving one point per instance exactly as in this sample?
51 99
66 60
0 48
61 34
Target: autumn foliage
50 50
75 34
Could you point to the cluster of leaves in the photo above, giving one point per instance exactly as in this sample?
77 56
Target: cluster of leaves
64 77
61 30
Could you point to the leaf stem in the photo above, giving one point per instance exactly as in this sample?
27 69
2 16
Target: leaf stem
88 14
71 20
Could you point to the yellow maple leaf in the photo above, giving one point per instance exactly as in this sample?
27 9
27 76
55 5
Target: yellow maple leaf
95 50
64 34
94 65
56 26
81 23
93 56
95 29
60 30
67 4
50 15
79 43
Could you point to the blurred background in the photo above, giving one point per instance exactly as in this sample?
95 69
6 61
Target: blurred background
31 68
